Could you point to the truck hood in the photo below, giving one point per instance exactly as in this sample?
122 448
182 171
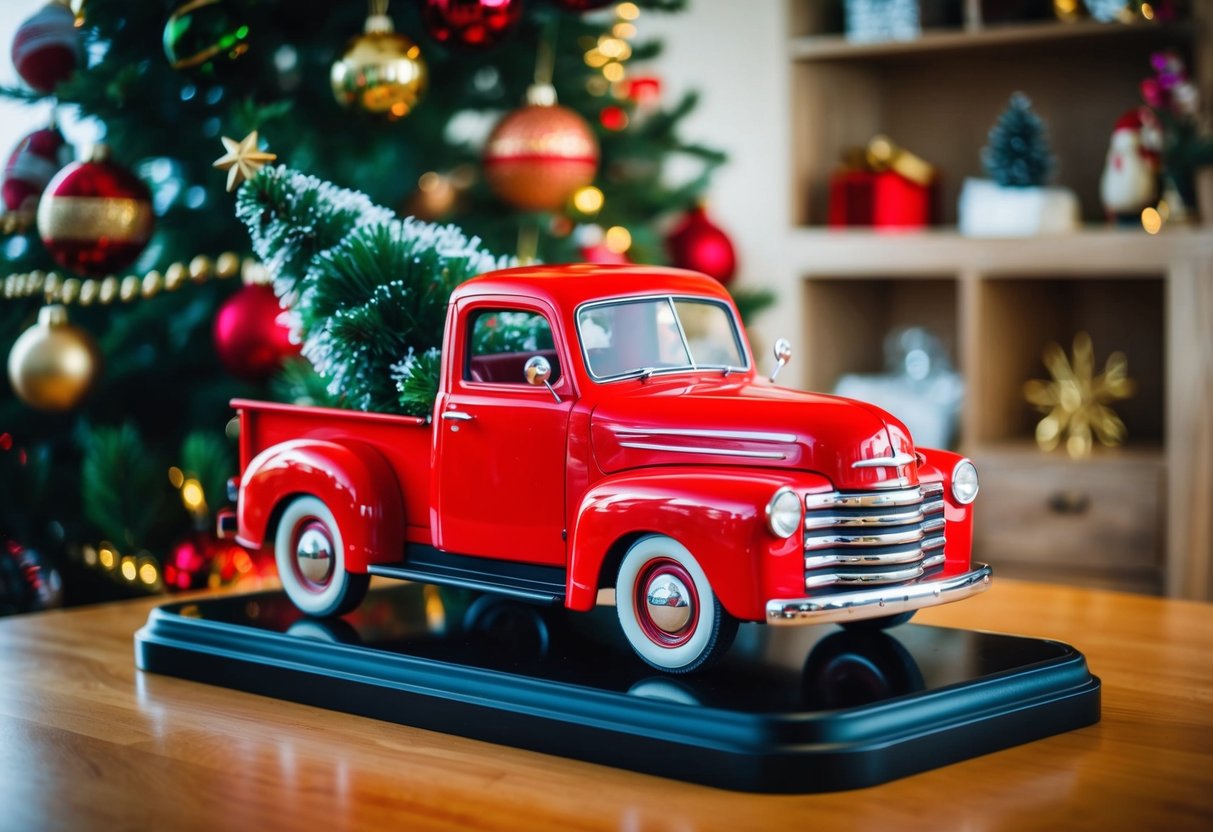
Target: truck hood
738 422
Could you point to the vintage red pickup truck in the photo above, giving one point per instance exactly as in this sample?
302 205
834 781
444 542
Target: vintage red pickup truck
626 441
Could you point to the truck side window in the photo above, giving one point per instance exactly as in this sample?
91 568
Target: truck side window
501 342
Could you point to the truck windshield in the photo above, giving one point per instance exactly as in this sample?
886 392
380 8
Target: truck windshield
665 334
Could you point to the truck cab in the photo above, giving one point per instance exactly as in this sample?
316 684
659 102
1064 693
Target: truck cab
606 428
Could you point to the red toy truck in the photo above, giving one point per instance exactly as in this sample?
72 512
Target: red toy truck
624 441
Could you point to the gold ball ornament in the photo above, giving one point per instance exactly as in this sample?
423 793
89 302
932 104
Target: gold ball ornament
381 72
53 364
540 154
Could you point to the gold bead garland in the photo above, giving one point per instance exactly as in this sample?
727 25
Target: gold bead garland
16 222
104 291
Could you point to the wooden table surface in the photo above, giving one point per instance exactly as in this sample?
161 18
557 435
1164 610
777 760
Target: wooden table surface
89 742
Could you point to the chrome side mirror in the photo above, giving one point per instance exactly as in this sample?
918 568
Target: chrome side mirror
783 354
538 370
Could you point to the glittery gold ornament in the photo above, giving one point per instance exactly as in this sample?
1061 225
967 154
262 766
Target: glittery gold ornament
538 155
381 71
1076 399
53 363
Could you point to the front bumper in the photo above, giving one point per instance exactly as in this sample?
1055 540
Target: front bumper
881 601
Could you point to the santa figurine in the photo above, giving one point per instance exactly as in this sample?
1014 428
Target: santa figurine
1130 176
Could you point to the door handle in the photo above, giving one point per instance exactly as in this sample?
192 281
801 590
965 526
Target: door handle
456 416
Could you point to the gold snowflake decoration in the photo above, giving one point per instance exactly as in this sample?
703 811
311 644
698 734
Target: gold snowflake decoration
1076 400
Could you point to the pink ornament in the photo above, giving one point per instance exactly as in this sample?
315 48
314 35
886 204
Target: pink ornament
249 339
46 48
33 163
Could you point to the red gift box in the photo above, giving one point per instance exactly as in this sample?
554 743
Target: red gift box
882 199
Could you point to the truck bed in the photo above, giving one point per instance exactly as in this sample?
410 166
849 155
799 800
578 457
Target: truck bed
406 442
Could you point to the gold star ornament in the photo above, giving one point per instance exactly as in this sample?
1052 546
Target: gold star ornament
1076 399
242 160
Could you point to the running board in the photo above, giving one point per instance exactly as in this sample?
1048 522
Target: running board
524 581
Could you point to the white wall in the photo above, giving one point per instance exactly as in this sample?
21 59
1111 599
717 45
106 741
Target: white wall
734 53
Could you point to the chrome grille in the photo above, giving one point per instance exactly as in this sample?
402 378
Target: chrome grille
866 539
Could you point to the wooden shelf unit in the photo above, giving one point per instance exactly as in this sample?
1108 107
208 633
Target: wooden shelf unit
995 304
938 95
1139 518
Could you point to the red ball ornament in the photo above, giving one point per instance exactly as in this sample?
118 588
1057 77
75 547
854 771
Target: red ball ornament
470 24
539 154
203 561
249 339
697 244
46 48
31 166
95 216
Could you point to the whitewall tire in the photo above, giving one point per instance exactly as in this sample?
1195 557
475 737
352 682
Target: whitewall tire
310 554
666 607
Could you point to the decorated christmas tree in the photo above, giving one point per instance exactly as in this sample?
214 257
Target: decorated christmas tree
137 304
1018 153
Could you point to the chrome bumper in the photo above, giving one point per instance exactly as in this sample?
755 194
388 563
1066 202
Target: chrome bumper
879 602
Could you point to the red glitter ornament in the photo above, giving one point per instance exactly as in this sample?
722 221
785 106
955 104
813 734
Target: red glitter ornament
46 48
31 166
470 24
95 216
697 244
249 339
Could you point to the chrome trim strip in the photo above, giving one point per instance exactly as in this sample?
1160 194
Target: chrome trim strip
894 461
931 489
892 576
881 601
933 560
680 449
897 538
750 435
861 559
825 521
832 499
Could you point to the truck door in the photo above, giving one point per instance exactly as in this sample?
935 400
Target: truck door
501 442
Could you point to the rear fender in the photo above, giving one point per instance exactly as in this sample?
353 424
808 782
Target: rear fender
354 481
718 514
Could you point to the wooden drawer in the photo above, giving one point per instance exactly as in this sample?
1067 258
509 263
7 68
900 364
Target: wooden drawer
1097 521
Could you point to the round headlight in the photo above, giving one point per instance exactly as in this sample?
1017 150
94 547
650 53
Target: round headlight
784 513
964 482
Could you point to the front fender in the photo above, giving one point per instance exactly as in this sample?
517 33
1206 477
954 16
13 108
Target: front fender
718 514
959 517
354 481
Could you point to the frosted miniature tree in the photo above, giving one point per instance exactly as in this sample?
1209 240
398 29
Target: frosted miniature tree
1018 153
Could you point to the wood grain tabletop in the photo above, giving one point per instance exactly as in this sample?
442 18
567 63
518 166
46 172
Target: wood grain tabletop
87 741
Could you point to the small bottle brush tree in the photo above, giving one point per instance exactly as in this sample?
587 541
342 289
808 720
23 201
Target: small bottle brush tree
367 292
1018 153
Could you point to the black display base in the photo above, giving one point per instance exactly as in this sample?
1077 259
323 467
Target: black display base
796 709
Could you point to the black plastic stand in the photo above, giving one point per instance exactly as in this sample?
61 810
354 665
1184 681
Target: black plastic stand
789 710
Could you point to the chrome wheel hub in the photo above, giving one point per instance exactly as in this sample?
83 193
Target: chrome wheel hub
314 554
668 603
